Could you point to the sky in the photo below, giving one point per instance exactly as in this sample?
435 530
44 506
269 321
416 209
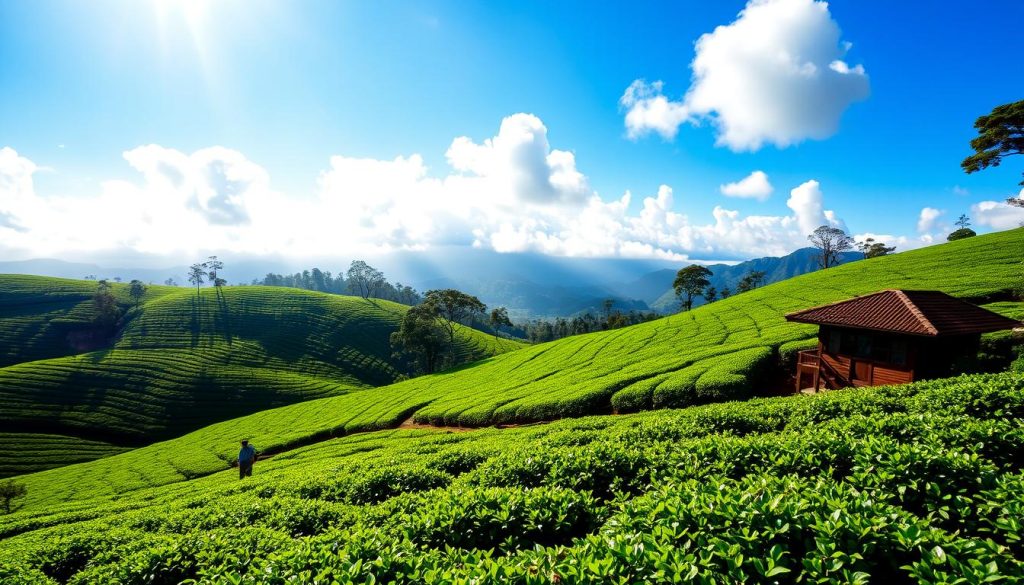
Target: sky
678 131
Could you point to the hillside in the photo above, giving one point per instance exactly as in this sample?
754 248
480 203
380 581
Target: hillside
656 287
912 484
181 362
716 352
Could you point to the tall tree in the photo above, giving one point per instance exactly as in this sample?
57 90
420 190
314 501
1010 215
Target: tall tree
726 293
453 307
691 281
196 275
107 311
361 278
963 221
711 294
420 336
750 281
1000 134
214 266
872 249
136 290
830 242
498 319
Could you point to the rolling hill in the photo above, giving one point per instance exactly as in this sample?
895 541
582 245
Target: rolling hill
180 362
717 352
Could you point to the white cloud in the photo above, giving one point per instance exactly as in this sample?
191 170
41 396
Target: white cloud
998 215
647 109
754 186
928 219
774 75
807 203
509 193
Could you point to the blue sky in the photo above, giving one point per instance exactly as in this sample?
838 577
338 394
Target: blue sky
250 100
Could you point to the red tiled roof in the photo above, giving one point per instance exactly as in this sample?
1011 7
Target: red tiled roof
913 312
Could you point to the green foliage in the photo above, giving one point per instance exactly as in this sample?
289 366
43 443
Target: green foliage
1000 134
692 282
960 234
652 365
178 363
915 483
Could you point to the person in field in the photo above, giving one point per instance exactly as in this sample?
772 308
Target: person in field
246 457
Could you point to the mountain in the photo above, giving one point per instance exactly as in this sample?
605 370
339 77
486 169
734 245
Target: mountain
655 288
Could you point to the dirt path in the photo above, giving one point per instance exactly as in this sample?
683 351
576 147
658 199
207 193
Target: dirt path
409 423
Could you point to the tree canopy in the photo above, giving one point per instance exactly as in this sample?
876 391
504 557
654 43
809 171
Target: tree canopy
452 306
872 249
830 242
691 282
752 280
1000 134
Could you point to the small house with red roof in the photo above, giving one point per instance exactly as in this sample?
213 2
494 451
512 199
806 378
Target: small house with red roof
892 337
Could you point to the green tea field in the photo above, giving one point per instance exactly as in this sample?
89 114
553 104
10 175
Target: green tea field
182 362
912 484
713 353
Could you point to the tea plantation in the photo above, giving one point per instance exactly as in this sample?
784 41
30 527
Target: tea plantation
179 362
921 483
713 353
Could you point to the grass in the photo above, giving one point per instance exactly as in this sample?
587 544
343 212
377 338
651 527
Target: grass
712 353
920 483
181 362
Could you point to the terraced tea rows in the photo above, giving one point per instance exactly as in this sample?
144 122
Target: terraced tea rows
183 362
711 353
912 484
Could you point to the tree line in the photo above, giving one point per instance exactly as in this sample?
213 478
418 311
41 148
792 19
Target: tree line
360 279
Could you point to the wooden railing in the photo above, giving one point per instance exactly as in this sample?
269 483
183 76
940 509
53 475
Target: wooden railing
808 357
810 362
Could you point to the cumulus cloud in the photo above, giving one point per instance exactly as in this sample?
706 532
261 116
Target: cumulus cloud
775 75
512 192
647 110
753 186
928 219
998 215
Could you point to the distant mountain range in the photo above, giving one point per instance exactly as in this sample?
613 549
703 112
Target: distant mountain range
659 295
529 285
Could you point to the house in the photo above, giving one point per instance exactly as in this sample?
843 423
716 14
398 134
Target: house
892 337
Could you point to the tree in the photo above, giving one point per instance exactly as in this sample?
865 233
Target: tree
363 279
499 318
872 249
136 290
213 265
10 491
452 306
107 311
196 274
1000 134
830 242
691 281
752 280
711 295
963 221
419 335
961 234
170 282
726 293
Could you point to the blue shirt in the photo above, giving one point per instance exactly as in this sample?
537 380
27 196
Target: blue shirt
247 454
